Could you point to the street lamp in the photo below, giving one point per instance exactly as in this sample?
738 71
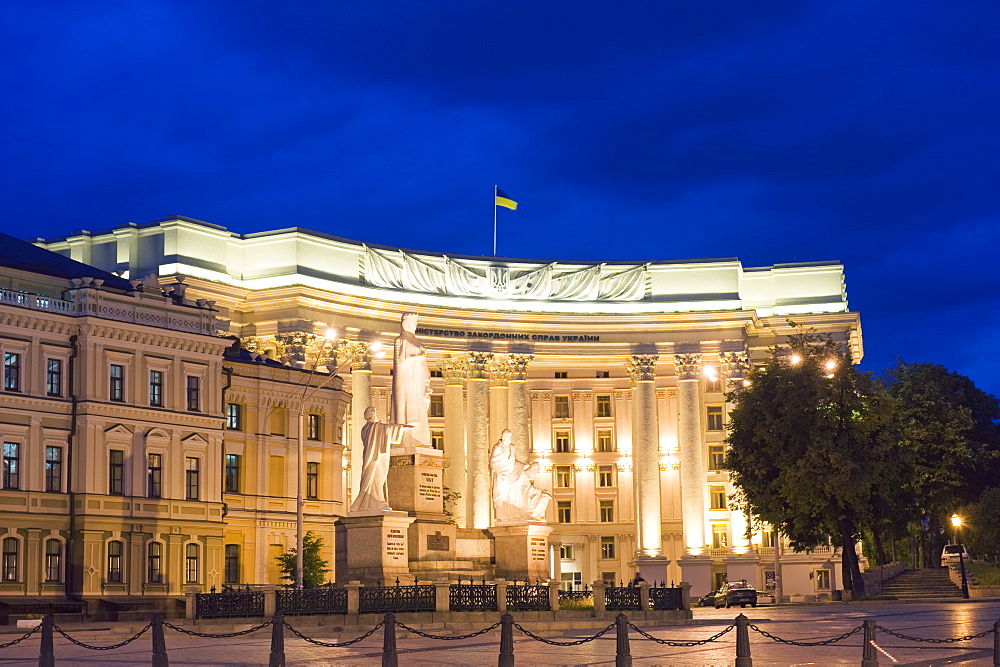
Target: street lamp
956 522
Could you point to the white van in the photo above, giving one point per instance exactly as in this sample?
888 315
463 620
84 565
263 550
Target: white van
951 554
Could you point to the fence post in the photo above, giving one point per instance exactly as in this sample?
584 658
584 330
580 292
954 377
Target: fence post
277 641
190 605
553 595
501 585
389 657
599 599
623 656
996 644
159 645
45 656
685 596
270 602
869 657
442 596
743 658
353 597
644 596
506 658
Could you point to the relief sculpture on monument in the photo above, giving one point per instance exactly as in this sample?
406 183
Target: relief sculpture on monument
515 496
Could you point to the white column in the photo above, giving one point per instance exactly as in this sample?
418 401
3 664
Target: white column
499 375
477 439
693 471
645 454
361 399
455 477
518 420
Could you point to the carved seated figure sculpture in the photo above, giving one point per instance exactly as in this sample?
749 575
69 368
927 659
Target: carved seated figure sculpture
515 497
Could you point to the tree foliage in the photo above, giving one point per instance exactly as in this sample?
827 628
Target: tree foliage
314 567
981 529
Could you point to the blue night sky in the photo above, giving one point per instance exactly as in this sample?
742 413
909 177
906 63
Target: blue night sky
778 131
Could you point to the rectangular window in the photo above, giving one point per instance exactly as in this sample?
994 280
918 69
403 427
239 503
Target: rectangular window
720 536
564 477
234 416
192 478
607 509
154 470
608 578
716 457
194 393
232 573
605 476
116 472
713 385
713 416
562 442
570 581
717 495
312 480
560 407
191 564
437 406
437 374
314 427
564 511
11 465
116 377
53 560
605 443
156 389
11 549
154 563
822 579
566 551
603 406
608 547
561 375
767 537
53 469
115 550
232 481
437 440
12 371
603 374
53 377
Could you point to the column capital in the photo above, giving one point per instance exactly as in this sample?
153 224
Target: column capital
688 366
499 370
477 365
453 369
733 365
519 365
359 353
642 367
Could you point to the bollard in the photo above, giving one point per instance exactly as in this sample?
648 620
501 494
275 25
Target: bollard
389 657
506 658
277 641
623 657
869 657
159 645
743 658
996 644
46 658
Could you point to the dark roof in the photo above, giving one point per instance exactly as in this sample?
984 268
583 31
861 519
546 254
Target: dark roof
23 256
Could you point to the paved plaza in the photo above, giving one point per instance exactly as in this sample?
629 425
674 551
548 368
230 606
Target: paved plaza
806 623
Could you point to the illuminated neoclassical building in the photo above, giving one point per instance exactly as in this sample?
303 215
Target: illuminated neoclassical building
610 374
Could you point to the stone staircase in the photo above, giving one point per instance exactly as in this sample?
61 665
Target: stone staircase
931 583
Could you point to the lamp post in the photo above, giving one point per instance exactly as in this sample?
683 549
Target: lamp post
956 522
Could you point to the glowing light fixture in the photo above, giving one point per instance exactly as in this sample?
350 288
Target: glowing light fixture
795 360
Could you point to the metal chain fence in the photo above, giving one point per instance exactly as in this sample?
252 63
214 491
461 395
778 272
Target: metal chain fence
22 637
790 642
349 642
103 648
216 635
949 640
667 642
552 642
420 633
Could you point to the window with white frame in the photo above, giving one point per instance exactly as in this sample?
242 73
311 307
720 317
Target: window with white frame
605 440
156 389
603 406
116 550
53 561
192 477
11 565
154 475
53 469
563 443
53 377
191 566
116 382
560 407
717 496
607 511
720 536
154 563
713 416
11 465
193 393
605 476
436 408
564 477
116 472
716 457
12 371
314 426
607 546
822 578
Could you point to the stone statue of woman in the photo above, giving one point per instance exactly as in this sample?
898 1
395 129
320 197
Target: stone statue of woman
378 439
411 384
515 497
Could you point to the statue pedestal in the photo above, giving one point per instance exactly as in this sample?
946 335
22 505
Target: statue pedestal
415 480
373 548
697 571
653 569
522 550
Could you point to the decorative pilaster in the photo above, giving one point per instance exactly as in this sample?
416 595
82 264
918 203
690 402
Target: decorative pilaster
693 471
361 399
455 477
477 439
517 403
645 453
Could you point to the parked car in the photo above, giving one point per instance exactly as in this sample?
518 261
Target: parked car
736 593
951 553
708 600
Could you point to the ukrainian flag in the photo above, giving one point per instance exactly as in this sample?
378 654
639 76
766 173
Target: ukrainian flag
504 200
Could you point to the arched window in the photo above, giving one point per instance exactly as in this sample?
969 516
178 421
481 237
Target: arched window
115 550
11 558
191 564
53 560
154 563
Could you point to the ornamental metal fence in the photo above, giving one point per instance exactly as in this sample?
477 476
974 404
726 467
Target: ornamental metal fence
622 598
527 597
666 598
325 600
230 604
381 599
472 597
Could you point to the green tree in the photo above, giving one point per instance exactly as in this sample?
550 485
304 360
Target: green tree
314 567
981 529
811 447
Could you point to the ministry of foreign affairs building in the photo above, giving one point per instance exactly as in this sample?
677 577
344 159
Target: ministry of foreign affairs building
152 401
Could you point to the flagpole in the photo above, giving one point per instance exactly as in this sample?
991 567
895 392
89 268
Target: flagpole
494 220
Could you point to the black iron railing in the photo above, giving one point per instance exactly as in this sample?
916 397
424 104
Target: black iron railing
527 597
396 598
230 604
584 593
326 600
472 597
619 598
663 597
